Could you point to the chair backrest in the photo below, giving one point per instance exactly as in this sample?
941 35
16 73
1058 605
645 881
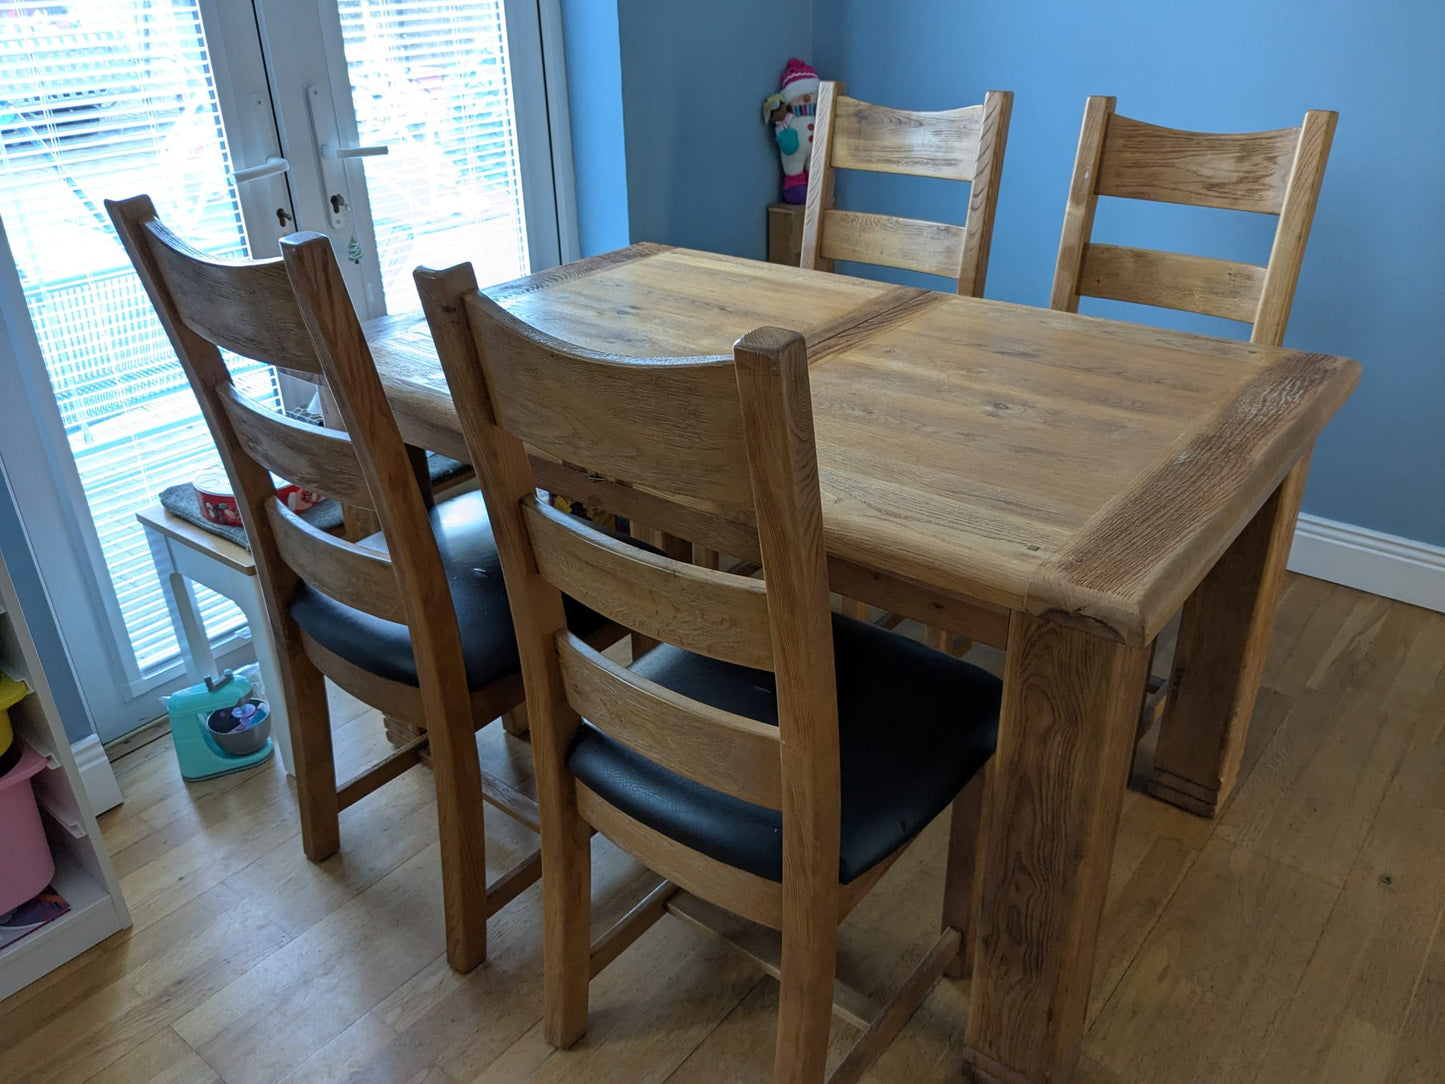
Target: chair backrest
727 438
1275 173
956 144
294 313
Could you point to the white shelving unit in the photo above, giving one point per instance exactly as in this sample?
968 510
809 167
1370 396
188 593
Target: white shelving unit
83 872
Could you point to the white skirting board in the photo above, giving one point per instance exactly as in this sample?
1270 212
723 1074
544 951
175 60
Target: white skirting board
1383 564
96 774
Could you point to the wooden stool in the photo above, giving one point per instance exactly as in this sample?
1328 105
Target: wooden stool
185 554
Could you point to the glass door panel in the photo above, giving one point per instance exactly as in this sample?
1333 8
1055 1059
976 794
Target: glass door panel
107 99
432 81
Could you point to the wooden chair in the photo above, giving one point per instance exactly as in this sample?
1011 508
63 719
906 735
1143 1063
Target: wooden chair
958 145
380 618
738 760
1276 173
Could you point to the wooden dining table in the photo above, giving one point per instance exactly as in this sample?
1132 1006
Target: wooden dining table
1055 485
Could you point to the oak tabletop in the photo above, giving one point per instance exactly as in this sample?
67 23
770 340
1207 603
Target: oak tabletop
1086 470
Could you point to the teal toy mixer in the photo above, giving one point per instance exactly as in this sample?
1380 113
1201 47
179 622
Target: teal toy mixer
218 727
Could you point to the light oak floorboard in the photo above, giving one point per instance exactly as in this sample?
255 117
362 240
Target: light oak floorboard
1297 938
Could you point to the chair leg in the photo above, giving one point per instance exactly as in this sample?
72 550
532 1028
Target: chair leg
514 722
851 607
461 827
566 923
938 639
962 882
310 719
805 1004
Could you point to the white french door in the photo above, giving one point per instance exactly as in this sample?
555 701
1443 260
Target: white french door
407 131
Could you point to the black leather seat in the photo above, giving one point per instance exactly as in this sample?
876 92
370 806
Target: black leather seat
914 725
474 571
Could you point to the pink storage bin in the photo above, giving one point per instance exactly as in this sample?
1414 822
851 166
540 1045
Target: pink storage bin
26 865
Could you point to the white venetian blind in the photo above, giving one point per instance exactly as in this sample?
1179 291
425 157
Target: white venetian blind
107 99
431 80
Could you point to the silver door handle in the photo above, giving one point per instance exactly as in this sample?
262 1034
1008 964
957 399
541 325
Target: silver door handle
328 151
268 168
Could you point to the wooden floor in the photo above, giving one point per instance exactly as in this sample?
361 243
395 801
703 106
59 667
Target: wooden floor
1299 938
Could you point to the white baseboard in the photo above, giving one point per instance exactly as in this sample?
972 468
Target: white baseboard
96 774
1383 564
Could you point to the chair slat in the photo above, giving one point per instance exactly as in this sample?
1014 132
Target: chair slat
1172 280
358 577
247 307
640 506
935 248
746 894
309 456
728 752
876 138
1241 172
668 424
712 613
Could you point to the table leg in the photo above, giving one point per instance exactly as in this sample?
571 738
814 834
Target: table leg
1223 639
248 597
185 616
1057 780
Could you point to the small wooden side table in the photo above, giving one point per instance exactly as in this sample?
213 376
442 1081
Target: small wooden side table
785 233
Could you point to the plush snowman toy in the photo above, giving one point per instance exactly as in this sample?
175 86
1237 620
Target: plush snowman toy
792 112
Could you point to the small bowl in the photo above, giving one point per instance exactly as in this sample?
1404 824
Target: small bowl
254 727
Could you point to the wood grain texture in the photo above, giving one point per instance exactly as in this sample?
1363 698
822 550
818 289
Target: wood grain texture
1276 173
220 300
505 475
309 456
874 137
966 445
1220 654
1057 778
1172 280
1249 968
785 233
713 613
1082 201
935 248
755 898
1218 480
772 377
730 753
959 144
1245 172
354 575
157 518
1301 196
295 312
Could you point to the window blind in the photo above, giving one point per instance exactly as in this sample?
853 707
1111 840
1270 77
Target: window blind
432 81
108 99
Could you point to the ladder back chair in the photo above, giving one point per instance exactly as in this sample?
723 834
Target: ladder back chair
741 759
956 144
1275 173
378 617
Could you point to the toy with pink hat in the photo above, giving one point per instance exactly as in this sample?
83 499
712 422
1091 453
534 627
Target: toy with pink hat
792 112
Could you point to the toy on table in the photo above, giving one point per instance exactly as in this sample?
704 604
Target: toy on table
200 749
792 112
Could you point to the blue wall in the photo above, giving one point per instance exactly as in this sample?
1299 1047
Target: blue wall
701 167
594 103
1373 283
